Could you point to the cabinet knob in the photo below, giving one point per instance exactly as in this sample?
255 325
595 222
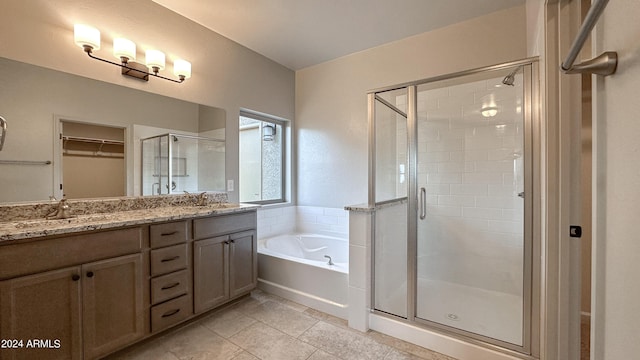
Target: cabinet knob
90 274
75 277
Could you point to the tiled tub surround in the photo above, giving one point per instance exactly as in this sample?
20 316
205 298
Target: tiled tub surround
23 221
302 219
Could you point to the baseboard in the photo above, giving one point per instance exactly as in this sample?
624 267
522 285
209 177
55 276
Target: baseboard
312 301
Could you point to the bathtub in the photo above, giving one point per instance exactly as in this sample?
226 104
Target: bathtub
294 266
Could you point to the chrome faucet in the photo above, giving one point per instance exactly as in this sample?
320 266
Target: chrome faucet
329 262
200 199
61 210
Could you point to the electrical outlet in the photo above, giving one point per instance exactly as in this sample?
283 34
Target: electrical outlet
229 185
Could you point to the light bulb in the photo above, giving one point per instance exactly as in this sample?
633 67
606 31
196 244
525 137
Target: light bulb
124 48
155 59
182 68
86 36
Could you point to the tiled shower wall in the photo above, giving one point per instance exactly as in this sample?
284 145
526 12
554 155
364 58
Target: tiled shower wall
302 219
471 167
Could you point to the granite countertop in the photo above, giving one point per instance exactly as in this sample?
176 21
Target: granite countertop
25 227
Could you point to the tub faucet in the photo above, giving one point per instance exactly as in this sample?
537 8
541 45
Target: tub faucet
329 262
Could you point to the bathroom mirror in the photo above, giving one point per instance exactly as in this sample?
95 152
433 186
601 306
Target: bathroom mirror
35 101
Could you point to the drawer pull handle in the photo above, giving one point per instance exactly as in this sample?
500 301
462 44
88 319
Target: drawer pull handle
90 274
75 277
167 287
170 313
169 233
171 258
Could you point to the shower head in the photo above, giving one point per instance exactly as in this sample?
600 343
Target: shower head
508 80
511 78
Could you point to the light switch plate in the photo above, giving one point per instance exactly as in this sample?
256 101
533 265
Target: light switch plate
229 185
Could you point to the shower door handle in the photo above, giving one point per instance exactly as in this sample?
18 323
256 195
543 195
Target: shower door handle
3 131
423 203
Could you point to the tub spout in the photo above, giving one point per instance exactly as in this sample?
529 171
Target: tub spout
329 262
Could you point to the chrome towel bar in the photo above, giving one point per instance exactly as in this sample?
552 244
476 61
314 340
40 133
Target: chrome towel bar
605 63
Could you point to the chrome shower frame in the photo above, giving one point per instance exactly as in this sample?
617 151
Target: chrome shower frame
532 204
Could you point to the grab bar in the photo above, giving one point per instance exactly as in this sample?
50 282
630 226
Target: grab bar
605 63
423 200
3 128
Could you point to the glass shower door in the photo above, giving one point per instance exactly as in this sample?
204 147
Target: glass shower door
390 196
470 266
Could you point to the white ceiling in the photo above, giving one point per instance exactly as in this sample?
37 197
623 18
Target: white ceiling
302 33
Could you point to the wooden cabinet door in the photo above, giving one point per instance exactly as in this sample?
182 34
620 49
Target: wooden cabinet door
210 273
243 263
44 306
113 313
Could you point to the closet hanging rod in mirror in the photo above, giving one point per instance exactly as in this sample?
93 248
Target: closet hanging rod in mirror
92 140
603 64
24 162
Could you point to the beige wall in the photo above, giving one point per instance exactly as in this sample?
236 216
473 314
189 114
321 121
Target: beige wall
331 101
225 74
616 194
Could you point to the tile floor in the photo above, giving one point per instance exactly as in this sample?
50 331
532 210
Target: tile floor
264 326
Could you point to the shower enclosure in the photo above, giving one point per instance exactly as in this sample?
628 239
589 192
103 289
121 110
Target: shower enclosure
173 164
452 181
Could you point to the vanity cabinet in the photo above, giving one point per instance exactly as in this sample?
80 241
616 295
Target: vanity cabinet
224 259
53 301
88 295
112 304
170 269
80 311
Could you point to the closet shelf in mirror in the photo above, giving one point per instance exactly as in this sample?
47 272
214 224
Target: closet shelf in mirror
83 146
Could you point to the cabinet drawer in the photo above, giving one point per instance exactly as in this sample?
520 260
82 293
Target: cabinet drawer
171 312
169 286
168 259
225 224
161 235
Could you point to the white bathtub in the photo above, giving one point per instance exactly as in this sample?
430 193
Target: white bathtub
294 266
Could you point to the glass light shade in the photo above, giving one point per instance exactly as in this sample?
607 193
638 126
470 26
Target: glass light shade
124 48
155 58
182 68
85 35
489 111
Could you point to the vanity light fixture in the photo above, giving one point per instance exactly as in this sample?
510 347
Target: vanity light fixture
88 38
